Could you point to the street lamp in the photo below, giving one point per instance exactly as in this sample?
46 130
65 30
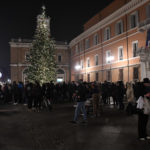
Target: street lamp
77 67
1 75
110 59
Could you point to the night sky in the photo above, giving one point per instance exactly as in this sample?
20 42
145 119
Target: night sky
18 19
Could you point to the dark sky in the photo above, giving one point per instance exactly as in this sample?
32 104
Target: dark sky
18 19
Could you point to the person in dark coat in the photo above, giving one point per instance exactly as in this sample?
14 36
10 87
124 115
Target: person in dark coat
80 95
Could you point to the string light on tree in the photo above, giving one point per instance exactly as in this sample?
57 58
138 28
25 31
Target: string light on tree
42 61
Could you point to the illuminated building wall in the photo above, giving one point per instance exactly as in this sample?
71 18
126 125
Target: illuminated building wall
19 50
117 32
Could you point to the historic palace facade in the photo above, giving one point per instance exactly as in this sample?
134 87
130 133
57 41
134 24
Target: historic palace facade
19 49
114 46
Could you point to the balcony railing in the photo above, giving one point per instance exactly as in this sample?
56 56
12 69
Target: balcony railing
144 25
144 53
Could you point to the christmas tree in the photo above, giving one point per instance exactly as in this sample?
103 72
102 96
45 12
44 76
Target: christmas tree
42 63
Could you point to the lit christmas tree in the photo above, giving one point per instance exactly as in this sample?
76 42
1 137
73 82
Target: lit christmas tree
42 61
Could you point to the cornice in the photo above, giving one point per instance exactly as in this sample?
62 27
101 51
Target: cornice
65 47
129 7
19 65
28 45
16 44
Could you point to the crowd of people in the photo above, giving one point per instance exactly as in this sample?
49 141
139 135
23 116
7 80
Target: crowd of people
33 94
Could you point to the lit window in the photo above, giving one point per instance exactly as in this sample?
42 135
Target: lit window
88 62
96 60
27 56
120 53
59 79
108 55
82 64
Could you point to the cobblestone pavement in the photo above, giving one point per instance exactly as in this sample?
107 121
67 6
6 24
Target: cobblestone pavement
24 130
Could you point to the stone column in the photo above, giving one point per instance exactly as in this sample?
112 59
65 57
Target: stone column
143 71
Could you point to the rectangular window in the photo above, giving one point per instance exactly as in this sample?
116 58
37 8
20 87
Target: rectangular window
88 77
82 64
81 46
135 73
27 56
120 53
133 20
108 75
95 39
134 48
77 49
96 76
119 27
59 58
107 34
87 43
148 11
121 74
96 60
108 54
88 62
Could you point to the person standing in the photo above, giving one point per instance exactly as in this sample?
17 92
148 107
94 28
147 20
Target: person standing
95 100
143 101
80 95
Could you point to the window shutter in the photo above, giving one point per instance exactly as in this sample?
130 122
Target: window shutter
116 28
137 18
109 33
121 26
105 34
148 11
129 22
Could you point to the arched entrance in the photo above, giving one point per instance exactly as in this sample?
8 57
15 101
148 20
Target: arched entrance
60 75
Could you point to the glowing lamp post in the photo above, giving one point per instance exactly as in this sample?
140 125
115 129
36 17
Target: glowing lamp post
1 75
77 67
109 60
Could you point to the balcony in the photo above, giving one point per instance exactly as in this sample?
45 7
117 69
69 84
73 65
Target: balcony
144 53
144 25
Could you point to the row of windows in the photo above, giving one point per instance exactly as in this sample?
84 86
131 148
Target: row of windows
133 20
109 75
109 57
59 57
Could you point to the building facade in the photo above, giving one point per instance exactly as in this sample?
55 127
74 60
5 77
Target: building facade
113 44
19 50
